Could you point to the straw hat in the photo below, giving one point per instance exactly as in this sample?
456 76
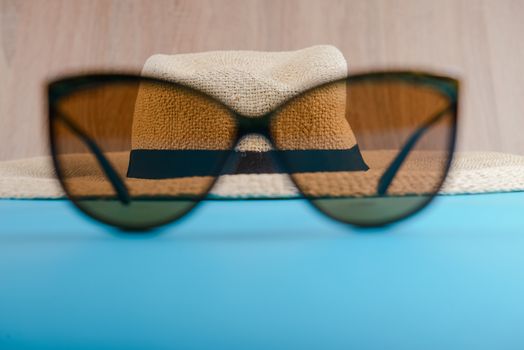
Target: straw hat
253 84
177 124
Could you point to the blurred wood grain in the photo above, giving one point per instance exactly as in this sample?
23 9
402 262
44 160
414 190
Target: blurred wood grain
478 40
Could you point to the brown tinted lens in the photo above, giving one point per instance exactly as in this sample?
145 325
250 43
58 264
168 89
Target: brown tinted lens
161 147
358 128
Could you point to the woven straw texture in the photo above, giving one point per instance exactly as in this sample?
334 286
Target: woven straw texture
252 83
249 83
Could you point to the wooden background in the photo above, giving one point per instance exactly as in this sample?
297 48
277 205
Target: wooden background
481 41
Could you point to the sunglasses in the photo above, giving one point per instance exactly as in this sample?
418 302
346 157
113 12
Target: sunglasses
138 152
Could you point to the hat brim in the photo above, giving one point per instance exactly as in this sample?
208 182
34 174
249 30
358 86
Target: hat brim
472 172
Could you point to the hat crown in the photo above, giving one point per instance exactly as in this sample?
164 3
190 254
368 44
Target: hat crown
251 83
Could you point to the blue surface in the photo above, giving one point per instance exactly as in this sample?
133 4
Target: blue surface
265 275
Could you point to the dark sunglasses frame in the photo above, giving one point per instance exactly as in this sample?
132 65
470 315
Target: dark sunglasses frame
63 87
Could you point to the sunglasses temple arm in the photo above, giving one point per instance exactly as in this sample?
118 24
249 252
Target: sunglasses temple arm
387 178
113 177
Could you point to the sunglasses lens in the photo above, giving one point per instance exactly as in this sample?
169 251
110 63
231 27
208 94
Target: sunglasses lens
368 151
138 153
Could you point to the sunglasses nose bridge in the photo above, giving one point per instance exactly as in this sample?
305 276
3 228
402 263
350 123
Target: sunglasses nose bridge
254 125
